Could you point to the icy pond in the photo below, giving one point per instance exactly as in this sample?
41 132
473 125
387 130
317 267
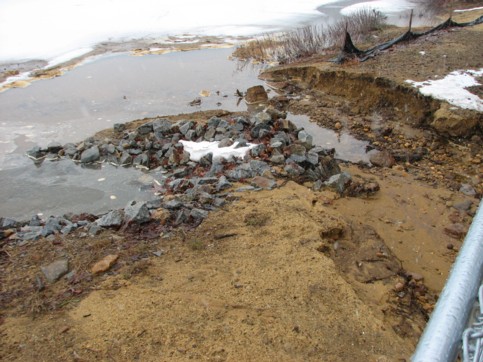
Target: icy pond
118 88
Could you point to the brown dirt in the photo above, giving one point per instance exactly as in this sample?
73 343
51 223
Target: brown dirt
289 274
261 280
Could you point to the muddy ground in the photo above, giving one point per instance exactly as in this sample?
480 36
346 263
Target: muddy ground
288 274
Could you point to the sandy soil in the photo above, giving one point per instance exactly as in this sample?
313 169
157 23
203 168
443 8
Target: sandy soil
279 275
289 274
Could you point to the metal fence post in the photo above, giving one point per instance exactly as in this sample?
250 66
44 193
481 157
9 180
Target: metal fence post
442 336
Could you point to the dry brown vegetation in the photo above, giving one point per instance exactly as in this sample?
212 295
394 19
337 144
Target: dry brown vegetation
303 42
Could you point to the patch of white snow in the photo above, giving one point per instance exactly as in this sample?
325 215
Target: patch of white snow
199 149
465 10
452 89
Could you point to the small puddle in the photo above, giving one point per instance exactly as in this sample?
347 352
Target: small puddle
347 148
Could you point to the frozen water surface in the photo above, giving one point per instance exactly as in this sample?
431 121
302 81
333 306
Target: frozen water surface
117 88
49 28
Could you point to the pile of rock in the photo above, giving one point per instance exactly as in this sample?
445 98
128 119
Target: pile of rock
157 143
189 190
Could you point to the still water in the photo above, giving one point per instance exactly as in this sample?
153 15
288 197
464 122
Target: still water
108 90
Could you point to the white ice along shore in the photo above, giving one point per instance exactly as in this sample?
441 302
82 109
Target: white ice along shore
47 29
452 89
384 6
199 149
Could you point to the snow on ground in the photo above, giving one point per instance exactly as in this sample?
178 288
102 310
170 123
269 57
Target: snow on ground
200 149
465 10
384 6
452 89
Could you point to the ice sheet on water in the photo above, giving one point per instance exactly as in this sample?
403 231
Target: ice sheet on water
32 29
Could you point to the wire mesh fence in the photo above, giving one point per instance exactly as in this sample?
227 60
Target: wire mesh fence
473 335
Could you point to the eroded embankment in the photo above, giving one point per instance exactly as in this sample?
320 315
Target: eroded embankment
368 93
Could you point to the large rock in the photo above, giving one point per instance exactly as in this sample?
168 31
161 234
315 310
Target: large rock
456 231
260 130
54 147
256 94
262 117
243 171
112 218
52 226
161 126
136 211
141 160
145 128
7 223
104 264
198 214
119 127
382 159
55 270
339 182
455 122
263 182
90 155
306 139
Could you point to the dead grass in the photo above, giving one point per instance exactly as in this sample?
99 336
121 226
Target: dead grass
314 39
24 290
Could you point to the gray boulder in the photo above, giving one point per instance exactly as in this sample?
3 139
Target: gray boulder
145 128
161 126
136 211
55 270
112 218
90 155
339 182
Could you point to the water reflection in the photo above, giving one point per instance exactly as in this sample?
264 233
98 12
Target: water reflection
117 89
347 148
92 97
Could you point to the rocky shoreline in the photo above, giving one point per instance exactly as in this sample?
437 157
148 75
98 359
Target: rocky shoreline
292 270
188 190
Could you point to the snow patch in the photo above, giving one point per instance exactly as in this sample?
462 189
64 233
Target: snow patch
465 10
199 149
452 89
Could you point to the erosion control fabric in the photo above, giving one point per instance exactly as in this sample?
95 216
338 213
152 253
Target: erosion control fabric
350 51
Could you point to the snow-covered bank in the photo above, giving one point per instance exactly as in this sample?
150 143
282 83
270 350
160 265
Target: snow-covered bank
452 89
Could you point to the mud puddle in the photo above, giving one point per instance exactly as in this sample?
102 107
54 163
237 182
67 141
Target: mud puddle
347 148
